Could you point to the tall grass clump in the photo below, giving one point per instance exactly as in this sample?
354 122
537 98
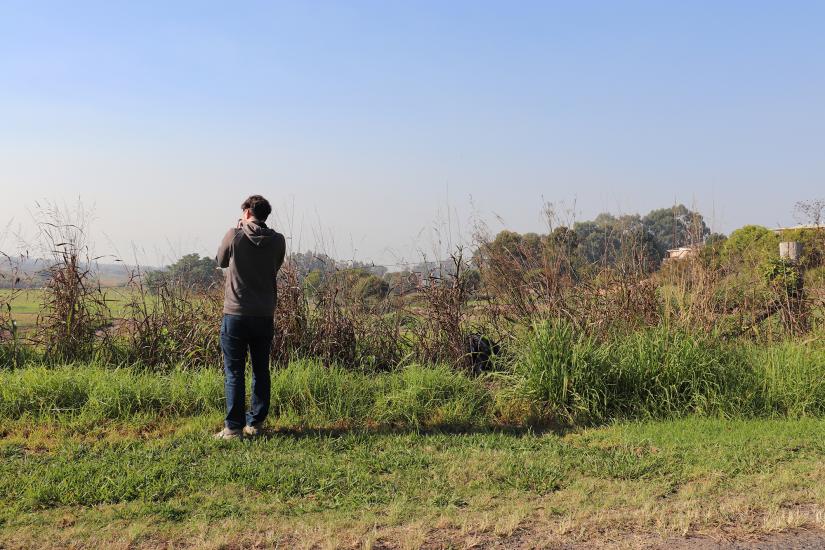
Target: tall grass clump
74 316
310 394
562 373
171 323
792 378
571 376
422 397
665 373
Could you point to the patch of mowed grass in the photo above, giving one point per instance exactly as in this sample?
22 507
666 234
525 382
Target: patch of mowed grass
360 468
645 472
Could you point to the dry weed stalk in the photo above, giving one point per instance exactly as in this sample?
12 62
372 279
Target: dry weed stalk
172 323
74 312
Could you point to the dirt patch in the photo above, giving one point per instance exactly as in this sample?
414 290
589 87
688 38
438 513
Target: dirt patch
800 539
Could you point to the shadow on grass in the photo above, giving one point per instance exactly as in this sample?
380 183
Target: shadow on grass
334 432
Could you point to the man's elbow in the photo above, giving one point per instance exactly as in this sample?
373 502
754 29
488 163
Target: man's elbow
222 260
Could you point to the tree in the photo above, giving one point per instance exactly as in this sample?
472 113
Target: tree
564 240
810 211
598 239
307 262
715 239
191 270
675 227
471 279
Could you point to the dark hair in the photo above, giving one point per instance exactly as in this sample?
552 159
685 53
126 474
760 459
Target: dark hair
259 206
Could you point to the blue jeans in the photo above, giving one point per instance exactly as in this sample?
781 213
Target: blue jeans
239 333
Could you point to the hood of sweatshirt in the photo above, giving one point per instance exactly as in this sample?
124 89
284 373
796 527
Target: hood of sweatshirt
258 233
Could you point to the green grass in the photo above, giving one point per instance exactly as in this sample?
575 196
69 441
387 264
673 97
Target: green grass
304 394
658 433
661 373
91 483
559 376
26 305
93 456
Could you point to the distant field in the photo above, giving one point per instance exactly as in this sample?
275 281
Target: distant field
26 305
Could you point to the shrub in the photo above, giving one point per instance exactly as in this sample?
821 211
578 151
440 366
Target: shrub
752 244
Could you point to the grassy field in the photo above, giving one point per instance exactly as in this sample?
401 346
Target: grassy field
27 304
99 457
635 440
145 482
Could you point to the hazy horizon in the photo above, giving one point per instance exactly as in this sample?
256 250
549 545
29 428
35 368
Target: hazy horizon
367 125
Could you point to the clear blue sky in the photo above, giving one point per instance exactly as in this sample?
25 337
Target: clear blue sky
366 123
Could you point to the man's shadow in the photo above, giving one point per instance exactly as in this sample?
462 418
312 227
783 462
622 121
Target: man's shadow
337 432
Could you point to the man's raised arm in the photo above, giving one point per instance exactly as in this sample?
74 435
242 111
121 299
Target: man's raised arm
225 249
280 253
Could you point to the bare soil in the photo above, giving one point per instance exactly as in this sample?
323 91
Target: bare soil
798 539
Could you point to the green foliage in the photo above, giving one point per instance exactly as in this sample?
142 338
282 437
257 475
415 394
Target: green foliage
711 253
433 396
598 241
191 271
304 394
314 281
471 279
675 227
783 276
358 282
401 282
562 374
558 370
751 244
625 241
661 373
524 251
307 393
793 378
107 393
563 240
371 287
632 243
715 239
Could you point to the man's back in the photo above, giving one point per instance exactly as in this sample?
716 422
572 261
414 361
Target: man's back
253 253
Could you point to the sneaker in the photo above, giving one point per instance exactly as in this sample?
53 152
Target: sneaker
229 433
254 430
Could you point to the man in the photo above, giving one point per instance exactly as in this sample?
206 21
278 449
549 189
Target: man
253 253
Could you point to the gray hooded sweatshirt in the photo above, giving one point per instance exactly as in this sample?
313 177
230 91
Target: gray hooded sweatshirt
253 253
